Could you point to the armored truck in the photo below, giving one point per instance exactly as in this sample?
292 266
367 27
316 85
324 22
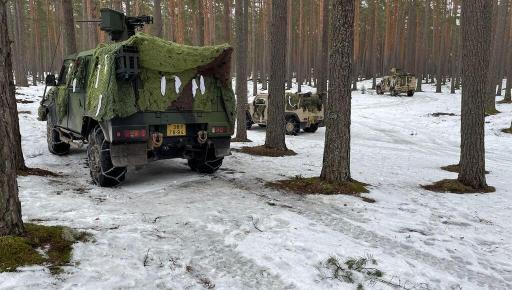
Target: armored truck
141 99
303 111
397 83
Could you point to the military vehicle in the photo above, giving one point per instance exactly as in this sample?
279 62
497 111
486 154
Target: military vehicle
139 99
303 111
397 83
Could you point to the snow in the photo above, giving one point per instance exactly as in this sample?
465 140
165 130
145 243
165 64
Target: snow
169 228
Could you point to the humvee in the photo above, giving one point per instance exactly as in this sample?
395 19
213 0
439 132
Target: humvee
397 83
141 99
303 111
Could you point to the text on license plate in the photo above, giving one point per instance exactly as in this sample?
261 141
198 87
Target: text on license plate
176 130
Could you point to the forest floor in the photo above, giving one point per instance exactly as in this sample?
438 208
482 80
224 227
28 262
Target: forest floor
169 228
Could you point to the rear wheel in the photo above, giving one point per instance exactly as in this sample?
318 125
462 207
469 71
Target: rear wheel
394 93
379 90
55 144
410 93
312 128
207 165
103 172
292 126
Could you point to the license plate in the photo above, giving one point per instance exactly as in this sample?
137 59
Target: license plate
176 130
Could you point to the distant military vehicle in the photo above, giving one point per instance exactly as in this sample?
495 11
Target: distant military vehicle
397 83
303 111
141 98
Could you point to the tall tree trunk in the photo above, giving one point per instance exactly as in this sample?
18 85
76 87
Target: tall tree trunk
300 47
227 21
11 222
241 71
180 33
357 42
289 70
275 135
324 53
476 37
21 73
92 14
336 161
157 18
171 11
253 50
69 27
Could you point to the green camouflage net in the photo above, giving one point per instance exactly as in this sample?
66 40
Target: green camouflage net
306 102
109 97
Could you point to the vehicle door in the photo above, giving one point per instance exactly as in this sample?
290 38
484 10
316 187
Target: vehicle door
61 107
76 94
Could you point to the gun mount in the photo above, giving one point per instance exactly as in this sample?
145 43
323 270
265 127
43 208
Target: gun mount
119 26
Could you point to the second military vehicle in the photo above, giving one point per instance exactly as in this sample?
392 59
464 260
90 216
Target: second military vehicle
397 83
303 111
139 99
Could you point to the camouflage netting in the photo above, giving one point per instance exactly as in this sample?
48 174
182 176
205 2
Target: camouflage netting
109 97
306 102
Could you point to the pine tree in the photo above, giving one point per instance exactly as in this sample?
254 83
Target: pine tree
336 161
476 39
11 222
275 135
241 70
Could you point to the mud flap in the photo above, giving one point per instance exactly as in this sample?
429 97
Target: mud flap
124 155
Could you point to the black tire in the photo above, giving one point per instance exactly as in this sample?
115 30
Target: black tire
410 93
394 93
312 128
292 126
103 172
205 165
379 91
55 144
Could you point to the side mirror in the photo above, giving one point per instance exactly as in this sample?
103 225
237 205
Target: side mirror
50 80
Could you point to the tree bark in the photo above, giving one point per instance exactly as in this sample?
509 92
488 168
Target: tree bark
227 21
69 27
275 135
336 161
21 72
241 71
476 37
157 18
180 36
253 50
11 222
324 53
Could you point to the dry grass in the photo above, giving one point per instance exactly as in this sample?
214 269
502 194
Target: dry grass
505 101
316 185
37 172
507 130
455 168
266 151
439 114
455 186
491 112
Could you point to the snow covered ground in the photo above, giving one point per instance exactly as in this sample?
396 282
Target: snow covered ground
169 228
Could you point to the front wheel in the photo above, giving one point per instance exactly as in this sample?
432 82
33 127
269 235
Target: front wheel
103 172
410 93
292 126
379 90
311 129
55 144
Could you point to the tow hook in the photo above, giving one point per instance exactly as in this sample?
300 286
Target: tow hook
202 136
156 140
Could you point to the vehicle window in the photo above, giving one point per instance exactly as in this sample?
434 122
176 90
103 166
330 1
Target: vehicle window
64 73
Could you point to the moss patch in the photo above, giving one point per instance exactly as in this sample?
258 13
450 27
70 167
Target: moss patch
455 186
507 130
505 101
491 112
455 168
266 151
37 172
316 185
41 245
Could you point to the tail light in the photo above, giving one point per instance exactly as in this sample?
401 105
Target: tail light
131 134
220 130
